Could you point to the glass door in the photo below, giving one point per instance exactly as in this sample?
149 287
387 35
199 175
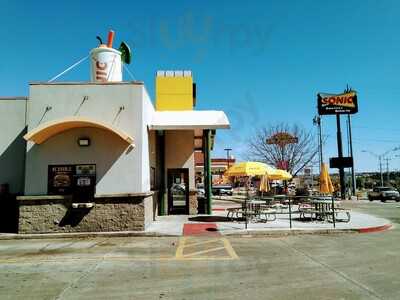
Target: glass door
178 191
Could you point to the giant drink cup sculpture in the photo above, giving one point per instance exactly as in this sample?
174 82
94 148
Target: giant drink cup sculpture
106 62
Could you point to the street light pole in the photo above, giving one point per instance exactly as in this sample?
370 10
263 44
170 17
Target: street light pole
317 121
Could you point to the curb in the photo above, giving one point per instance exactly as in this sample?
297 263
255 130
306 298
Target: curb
244 233
293 232
82 235
281 233
375 229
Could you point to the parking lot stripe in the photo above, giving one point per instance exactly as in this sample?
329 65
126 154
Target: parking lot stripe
184 245
181 246
229 249
203 251
201 243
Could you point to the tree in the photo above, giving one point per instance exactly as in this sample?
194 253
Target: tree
360 182
295 156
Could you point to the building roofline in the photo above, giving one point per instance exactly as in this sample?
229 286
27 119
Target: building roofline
14 98
189 120
136 82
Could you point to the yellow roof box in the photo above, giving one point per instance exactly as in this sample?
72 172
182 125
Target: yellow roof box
175 90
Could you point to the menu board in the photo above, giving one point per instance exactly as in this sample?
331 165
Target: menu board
60 179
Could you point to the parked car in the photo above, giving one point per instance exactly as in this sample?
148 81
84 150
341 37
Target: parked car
201 193
384 193
226 191
222 190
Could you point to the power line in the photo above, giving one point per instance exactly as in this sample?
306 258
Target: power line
381 141
370 140
377 128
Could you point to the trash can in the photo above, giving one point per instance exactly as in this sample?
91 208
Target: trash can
201 204
4 189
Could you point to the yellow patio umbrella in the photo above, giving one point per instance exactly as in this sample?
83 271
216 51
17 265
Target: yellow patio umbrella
280 175
264 184
250 168
325 183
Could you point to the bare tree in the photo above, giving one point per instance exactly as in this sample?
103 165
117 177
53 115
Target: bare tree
296 155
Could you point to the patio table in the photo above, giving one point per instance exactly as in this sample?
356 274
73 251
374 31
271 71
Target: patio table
255 210
257 202
324 211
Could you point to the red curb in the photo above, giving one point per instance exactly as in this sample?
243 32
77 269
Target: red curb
204 229
375 229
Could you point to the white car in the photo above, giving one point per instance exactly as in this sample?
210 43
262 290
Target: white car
384 193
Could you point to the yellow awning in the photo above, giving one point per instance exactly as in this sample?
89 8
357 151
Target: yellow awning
45 131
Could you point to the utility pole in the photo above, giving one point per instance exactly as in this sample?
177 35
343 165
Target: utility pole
227 156
387 171
380 169
317 121
380 158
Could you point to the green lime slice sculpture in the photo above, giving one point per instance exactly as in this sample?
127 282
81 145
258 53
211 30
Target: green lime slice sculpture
126 53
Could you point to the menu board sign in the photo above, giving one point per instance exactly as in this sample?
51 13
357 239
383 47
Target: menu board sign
60 179
64 179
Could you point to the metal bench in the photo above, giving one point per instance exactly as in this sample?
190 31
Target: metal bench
253 212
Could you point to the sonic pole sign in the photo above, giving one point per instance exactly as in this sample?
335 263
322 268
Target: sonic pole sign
337 104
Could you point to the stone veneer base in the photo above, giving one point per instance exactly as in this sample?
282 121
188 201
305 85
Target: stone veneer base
120 212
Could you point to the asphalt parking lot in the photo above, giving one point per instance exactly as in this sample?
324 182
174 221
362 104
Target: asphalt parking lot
335 266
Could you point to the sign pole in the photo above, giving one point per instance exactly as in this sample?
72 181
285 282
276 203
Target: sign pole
353 175
340 155
320 141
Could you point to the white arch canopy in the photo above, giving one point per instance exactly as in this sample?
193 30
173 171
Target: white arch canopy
49 129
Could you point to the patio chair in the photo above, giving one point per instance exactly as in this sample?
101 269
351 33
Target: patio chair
341 215
268 213
307 209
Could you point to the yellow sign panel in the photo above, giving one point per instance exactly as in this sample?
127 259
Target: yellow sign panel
174 93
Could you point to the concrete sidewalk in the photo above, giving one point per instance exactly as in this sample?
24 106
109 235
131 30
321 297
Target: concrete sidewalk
359 222
173 225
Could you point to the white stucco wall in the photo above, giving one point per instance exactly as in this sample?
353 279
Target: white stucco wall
12 145
107 151
123 169
147 113
179 152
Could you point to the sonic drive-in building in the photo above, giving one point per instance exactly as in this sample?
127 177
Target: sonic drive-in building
99 156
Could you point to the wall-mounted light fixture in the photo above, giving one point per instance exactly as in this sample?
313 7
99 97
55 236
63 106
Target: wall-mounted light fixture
84 142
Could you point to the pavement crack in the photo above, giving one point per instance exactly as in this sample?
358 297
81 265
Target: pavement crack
85 274
334 270
62 246
72 284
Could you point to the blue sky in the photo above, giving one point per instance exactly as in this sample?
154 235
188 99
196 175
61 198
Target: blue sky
262 62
